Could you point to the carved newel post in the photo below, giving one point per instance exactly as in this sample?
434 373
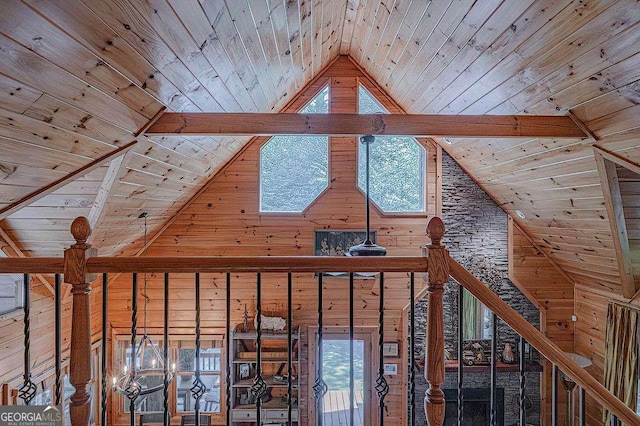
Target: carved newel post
75 273
438 269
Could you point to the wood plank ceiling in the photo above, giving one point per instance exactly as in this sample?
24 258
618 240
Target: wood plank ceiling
79 78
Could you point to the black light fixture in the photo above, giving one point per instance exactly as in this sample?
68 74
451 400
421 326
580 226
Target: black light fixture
367 248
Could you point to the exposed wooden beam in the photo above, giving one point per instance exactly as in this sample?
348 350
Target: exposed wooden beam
46 190
252 124
613 202
19 253
98 209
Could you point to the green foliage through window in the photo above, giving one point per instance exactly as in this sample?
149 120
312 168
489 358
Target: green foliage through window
397 166
294 170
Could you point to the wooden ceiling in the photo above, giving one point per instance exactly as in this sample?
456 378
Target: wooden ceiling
80 78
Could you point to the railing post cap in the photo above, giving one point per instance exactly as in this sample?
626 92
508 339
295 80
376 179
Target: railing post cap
81 229
435 230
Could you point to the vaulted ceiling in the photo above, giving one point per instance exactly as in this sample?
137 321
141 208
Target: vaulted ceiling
80 78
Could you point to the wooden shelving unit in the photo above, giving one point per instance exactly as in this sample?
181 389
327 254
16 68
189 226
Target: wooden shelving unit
274 369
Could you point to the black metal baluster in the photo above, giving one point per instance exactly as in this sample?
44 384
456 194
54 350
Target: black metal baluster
460 355
554 395
494 368
412 353
351 369
319 386
381 383
229 351
523 382
28 389
132 390
58 361
259 386
583 414
289 349
105 312
166 417
198 388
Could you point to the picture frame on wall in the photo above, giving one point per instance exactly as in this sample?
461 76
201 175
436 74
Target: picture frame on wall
391 349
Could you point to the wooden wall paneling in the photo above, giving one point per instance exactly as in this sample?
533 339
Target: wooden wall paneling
491 38
351 11
195 21
94 34
50 78
17 97
581 53
441 25
609 60
292 11
58 47
279 26
462 36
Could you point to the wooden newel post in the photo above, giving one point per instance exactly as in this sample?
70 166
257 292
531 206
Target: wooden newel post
438 269
75 273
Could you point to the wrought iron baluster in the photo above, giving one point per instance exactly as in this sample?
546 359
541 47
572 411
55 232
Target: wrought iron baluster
105 316
132 390
58 368
319 386
554 395
582 407
166 417
351 369
523 382
289 349
460 355
494 368
28 389
259 386
412 354
198 389
229 351
382 388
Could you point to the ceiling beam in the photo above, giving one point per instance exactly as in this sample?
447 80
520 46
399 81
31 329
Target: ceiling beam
613 202
98 208
19 253
46 190
259 124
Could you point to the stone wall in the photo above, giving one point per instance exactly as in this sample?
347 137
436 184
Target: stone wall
476 236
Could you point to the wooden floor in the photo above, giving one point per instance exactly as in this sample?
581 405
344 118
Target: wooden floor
336 408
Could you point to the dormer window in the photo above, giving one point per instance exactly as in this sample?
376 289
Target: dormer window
398 166
294 170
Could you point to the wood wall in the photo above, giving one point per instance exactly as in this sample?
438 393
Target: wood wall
224 220
548 289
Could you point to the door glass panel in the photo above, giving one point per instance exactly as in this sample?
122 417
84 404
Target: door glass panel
335 369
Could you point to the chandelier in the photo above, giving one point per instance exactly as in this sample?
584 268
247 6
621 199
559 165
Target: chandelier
367 248
145 372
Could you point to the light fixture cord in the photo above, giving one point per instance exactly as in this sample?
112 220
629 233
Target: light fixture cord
368 241
144 252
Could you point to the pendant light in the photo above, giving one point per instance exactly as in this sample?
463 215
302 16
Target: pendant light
145 372
367 248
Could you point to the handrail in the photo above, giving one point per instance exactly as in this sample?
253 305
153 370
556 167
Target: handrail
31 265
256 264
95 265
539 341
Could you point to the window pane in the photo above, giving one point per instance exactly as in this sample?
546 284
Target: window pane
294 170
10 291
397 166
209 359
210 401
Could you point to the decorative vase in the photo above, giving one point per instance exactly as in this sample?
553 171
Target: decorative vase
507 354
